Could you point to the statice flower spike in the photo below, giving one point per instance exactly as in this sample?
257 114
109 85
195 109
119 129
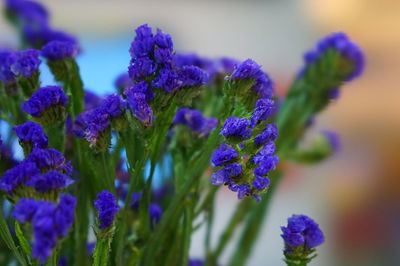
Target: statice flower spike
17 176
351 59
301 236
30 136
107 208
50 222
249 70
47 105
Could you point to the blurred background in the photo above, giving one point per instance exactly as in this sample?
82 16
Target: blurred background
354 196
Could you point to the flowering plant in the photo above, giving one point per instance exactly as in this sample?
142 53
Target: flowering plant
114 180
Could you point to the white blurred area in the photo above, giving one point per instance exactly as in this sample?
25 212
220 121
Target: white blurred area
275 33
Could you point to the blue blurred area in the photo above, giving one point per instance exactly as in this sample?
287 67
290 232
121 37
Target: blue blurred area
100 62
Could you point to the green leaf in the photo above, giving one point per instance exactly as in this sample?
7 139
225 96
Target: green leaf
8 240
26 248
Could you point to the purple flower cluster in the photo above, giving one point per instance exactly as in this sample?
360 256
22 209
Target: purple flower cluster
33 18
44 99
31 134
7 59
200 125
352 57
244 164
152 66
138 97
26 63
107 208
250 70
57 50
149 52
44 170
49 222
301 231
93 124
236 127
23 63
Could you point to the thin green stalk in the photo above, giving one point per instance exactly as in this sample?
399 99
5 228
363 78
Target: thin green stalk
187 231
155 242
236 219
253 225
8 240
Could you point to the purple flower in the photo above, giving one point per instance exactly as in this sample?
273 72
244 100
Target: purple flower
43 99
7 59
50 222
51 180
352 60
195 121
64 215
141 87
193 76
113 105
50 159
91 124
57 50
302 230
107 208
169 80
264 109
333 139
27 62
270 133
90 248
17 176
142 111
196 262
236 127
225 174
141 68
247 70
260 182
223 155
32 133
123 81
24 210
155 213
250 70
143 32
28 11
142 48
243 190
163 40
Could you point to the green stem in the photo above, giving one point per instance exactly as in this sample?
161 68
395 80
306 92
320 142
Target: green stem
237 217
8 240
253 225
187 230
